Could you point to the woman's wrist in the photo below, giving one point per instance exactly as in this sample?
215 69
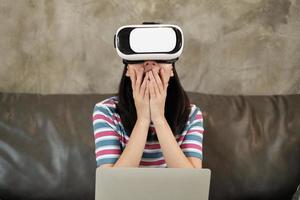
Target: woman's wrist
143 122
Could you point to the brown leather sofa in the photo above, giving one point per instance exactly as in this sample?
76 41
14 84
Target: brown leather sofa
251 144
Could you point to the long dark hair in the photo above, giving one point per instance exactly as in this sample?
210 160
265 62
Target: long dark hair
177 106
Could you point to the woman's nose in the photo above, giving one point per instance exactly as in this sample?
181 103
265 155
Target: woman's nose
150 62
149 65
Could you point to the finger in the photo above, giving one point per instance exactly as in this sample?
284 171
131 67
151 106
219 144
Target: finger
155 88
146 95
159 83
143 86
132 78
139 79
164 78
151 88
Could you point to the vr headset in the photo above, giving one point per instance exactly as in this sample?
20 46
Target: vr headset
149 41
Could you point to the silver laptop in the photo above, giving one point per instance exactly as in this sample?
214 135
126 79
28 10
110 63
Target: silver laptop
152 183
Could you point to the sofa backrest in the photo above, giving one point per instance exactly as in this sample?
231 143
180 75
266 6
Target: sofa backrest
251 144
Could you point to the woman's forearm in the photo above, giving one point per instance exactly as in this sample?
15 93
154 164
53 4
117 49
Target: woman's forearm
172 153
132 153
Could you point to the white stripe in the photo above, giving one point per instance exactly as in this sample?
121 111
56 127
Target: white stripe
105 129
152 159
107 147
191 150
191 142
196 133
156 166
107 156
196 128
152 150
109 137
103 121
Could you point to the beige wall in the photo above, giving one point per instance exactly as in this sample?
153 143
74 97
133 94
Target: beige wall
231 46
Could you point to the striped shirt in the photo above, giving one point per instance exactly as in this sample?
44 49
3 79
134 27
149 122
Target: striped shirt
111 138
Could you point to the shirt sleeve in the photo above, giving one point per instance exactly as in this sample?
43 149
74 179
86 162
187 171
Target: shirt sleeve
107 142
192 141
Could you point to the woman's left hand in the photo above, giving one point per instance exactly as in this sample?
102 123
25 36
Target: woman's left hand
158 93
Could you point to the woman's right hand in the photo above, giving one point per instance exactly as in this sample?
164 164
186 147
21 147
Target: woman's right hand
140 91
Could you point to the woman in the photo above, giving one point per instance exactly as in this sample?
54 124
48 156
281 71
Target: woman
150 94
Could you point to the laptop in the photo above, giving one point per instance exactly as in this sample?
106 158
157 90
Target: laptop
152 183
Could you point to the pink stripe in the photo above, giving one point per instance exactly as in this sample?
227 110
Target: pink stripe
100 116
199 116
108 151
158 162
105 133
109 101
195 130
152 146
118 119
180 139
152 128
195 146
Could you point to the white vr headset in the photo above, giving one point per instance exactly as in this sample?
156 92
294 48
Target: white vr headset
149 41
